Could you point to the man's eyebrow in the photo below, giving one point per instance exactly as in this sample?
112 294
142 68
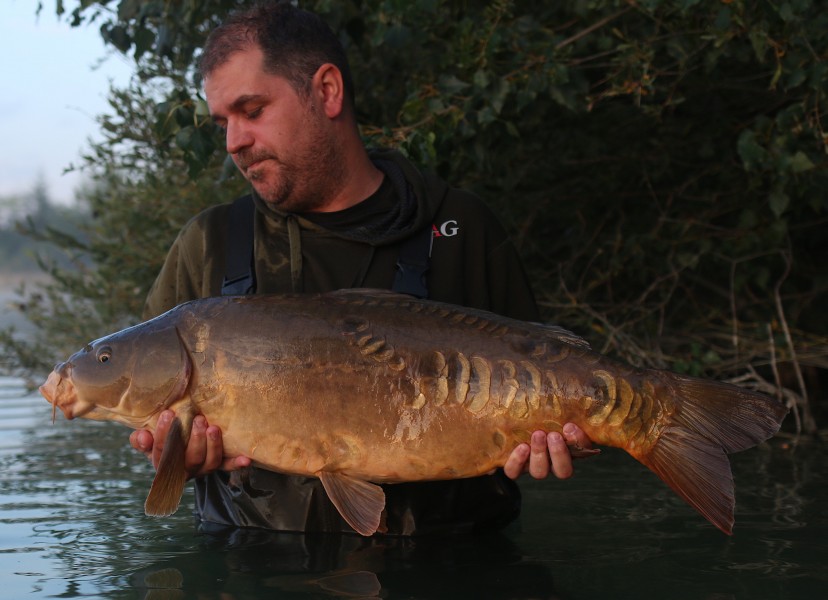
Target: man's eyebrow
239 103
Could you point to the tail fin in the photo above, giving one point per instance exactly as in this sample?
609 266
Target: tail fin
712 419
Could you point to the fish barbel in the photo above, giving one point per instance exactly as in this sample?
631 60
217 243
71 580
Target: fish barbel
360 387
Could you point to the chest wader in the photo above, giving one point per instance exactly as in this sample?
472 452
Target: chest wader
240 274
288 503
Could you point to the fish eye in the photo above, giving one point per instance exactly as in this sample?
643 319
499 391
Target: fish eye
104 354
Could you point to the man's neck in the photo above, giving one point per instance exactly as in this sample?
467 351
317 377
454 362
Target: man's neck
364 179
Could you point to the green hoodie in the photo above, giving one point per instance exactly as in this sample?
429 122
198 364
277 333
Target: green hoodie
473 264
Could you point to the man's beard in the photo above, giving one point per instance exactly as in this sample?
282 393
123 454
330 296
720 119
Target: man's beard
305 182
278 188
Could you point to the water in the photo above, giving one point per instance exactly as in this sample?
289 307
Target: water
72 526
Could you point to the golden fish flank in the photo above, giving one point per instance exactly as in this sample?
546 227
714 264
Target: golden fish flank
516 387
359 387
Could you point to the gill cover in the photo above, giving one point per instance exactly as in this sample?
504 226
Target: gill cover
129 376
160 372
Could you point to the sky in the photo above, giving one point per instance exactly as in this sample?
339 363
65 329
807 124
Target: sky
53 83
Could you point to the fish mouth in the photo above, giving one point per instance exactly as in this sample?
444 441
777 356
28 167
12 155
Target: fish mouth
60 393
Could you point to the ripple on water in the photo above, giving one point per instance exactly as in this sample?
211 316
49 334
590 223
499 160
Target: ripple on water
72 525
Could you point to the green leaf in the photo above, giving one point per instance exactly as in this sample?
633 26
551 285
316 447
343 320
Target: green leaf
128 9
451 84
500 94
117 36
144 39
795 79
486 115
398 37
778 201
759 42
786 13
165 122
751 153
201 109
481 79
723 19
800 162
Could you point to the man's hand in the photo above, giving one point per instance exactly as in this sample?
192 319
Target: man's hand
205 451
549 452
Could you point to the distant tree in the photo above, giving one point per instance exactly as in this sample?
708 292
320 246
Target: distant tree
10 209
661 164
140 197
32 210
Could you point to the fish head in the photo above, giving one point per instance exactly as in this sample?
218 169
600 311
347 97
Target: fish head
129 376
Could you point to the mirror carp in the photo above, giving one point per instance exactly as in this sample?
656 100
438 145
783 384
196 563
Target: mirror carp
361 387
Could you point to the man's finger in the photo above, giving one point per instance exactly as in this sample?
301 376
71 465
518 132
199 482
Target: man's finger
516 462
161 429
559 454
141 440
580 446
538 457
196 446
235 463
214 454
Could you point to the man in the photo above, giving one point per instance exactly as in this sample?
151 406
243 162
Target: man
328 215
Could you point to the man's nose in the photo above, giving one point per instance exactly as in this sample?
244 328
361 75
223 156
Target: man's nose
237 138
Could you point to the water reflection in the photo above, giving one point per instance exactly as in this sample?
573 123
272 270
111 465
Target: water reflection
239 563
72 525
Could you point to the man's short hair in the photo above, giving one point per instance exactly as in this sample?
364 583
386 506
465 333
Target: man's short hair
295 44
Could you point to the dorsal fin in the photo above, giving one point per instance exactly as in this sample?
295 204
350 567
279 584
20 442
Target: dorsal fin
368 294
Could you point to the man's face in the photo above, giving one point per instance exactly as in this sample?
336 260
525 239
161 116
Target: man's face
279 140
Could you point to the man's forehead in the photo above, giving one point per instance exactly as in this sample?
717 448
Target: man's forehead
240 75
247 51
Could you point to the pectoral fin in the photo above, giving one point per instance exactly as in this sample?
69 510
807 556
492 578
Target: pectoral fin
168 485
359 502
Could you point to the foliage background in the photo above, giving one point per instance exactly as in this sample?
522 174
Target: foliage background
660 164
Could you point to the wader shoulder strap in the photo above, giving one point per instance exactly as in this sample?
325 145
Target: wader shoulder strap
413 263
239 276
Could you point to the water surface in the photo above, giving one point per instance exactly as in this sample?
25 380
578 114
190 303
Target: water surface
72 526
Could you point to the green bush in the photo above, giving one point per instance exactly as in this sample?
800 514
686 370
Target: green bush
660 164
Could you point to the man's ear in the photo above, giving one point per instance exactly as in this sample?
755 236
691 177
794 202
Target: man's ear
329 89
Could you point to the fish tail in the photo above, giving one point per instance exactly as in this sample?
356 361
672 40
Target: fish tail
711 420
